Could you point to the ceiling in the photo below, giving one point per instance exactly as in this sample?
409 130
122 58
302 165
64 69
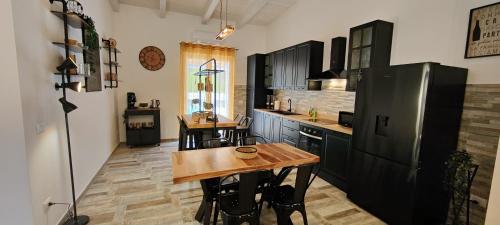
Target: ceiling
243 12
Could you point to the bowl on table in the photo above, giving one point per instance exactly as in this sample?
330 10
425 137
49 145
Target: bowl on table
245 152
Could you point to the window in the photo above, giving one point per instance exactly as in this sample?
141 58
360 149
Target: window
192 56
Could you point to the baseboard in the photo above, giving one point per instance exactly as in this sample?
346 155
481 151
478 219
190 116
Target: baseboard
69 211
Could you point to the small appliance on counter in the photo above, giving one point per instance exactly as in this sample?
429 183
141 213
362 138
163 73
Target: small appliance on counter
345 118
270 102
131 100
155 103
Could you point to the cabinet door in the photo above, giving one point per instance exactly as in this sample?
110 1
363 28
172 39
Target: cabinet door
289 68
258 123
267 132
335 155
302 66
268 70
276 127
279 61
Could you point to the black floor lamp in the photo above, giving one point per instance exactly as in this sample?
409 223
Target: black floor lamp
67 108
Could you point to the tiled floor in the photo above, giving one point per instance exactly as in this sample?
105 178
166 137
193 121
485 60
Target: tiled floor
135 188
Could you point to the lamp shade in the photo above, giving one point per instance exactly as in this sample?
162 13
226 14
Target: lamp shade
224 33
75 86
67 106
69 63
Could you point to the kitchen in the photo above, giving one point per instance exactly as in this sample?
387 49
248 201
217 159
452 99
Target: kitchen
372 97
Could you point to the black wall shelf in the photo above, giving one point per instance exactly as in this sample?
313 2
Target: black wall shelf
112 75
74 20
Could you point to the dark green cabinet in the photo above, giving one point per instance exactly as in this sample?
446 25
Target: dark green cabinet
267 126
292 66
276 129
258 123
289 68
278 66
302 66
369 47
334 158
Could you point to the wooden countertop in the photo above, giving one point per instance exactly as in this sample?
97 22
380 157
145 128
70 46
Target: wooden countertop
218 162
223 122
304 119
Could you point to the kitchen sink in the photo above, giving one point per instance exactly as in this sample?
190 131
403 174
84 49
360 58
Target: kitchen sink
284 112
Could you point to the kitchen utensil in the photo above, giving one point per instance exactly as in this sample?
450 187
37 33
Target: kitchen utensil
276 105
143 105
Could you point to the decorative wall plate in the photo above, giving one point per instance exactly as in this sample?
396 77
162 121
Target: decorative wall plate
152 58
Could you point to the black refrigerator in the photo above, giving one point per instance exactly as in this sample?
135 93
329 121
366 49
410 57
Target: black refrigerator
406 123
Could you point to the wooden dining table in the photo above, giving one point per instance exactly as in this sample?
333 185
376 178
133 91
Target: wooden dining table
205 128
201 165
219 162
223 122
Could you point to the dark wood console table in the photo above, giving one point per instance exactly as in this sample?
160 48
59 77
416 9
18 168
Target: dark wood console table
144 135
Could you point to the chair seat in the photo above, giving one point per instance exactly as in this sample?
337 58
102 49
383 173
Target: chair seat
284 195
229 204
213 186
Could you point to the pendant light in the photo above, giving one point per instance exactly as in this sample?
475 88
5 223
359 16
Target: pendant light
228 29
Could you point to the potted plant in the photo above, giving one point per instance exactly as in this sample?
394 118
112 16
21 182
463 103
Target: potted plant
458 180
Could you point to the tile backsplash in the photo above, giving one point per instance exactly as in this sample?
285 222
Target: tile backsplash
329 101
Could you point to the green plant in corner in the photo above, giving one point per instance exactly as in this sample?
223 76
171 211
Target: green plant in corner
457 181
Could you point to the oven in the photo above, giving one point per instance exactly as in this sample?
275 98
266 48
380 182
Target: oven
310 139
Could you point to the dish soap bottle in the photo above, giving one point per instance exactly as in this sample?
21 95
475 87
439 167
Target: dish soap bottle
313 113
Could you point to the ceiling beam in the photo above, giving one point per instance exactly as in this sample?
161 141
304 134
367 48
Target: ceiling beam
163 8
251 11
212 5
115 5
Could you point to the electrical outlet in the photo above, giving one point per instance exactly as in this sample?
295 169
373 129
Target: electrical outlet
46 202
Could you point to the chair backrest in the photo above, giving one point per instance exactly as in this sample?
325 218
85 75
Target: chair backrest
247 190
238 118
303 181
182 124
246 122
211 143
252 140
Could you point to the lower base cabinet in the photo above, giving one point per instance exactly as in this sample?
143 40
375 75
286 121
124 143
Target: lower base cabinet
334 158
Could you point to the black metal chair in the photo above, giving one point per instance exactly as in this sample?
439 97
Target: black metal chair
243 129
186 139
267 179
288 199
239 206
211 188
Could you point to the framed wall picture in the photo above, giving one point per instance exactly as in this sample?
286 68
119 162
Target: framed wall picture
483 37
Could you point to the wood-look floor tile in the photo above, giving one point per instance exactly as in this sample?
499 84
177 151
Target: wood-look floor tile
135 188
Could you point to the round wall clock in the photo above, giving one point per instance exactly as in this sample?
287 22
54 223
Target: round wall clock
152 58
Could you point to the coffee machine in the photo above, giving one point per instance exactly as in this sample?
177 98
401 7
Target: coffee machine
131 100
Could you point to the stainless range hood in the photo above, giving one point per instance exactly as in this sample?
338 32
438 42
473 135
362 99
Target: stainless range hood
337 61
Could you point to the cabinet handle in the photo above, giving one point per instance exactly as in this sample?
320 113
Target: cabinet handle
360 76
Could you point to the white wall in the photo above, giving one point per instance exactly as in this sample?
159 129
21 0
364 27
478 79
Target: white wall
492 215
93 124
14 190
136 28
424 30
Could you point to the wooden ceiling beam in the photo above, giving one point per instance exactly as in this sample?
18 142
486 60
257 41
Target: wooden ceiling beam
163 8
209 11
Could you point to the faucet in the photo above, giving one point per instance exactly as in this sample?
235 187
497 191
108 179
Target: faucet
289 105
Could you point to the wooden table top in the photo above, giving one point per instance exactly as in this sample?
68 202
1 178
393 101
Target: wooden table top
223 122
219 162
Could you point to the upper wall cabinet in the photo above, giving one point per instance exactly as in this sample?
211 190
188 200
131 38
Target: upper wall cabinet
292 66
369 46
